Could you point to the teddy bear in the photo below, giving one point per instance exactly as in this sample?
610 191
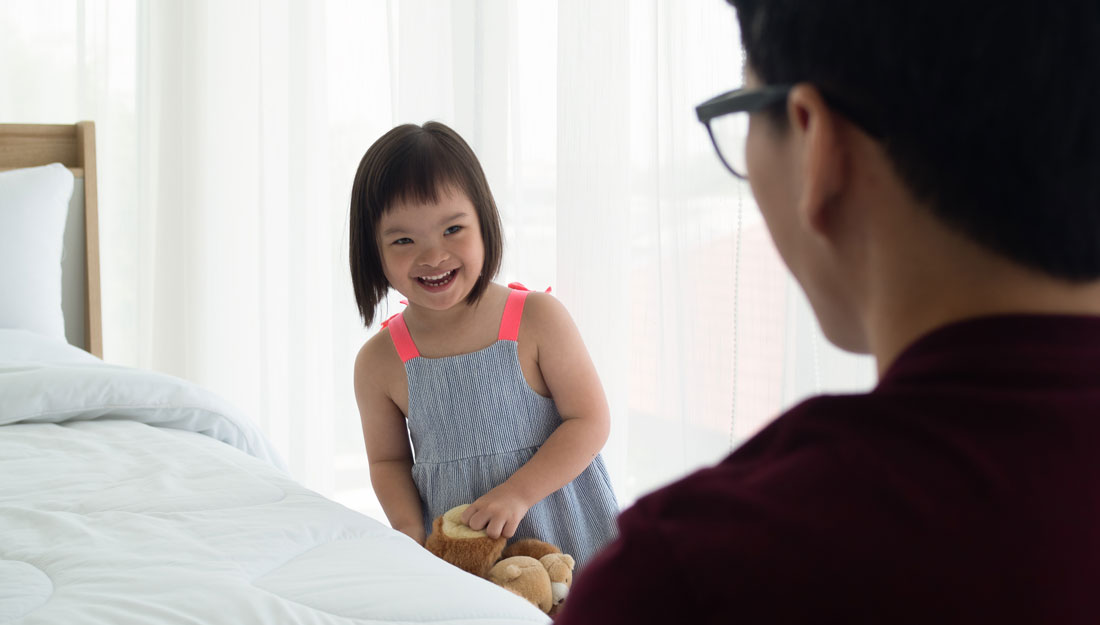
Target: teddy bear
530 568
526 577
559 566
469 549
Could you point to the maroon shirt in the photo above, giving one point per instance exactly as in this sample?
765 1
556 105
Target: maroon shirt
964 489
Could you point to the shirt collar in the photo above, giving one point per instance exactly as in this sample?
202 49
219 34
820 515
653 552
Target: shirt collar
1024 347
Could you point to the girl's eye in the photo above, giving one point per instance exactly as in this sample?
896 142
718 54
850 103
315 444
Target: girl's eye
452 230
403 241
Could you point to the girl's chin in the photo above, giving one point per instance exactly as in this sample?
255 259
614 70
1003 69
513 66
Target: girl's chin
436 300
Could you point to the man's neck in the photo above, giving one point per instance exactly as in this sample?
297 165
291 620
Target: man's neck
947 278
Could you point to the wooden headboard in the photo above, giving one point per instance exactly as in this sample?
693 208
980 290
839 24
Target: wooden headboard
72 145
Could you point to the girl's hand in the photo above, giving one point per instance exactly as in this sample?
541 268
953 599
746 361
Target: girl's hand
498 512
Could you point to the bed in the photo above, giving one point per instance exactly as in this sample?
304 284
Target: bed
130 496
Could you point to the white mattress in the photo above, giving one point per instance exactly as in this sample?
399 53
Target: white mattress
132 497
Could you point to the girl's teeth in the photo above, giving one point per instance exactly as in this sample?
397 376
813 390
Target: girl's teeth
440 279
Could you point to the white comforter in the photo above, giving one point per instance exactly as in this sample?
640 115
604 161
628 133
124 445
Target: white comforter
133 497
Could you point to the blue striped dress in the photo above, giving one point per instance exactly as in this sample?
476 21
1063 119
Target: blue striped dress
474 421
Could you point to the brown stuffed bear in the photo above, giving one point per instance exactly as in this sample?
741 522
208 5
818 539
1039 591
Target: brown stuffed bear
531 568
468 549
526 577
559 567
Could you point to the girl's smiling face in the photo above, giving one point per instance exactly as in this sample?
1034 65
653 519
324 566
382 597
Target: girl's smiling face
432 253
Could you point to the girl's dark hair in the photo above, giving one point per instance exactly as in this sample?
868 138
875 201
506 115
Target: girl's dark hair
414 164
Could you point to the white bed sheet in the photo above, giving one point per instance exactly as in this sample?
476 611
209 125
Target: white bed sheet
176 513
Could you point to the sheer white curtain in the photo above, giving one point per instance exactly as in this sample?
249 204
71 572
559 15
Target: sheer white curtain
229 133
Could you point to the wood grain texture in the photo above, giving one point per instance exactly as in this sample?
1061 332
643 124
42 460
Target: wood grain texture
72 145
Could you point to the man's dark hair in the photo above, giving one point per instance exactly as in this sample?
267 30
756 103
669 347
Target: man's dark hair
989 110
415 163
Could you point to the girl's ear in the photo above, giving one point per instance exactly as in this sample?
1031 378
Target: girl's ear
823 156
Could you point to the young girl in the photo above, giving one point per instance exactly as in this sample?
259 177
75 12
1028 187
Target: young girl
493 385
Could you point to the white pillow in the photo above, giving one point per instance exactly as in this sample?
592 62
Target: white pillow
34 203
24 345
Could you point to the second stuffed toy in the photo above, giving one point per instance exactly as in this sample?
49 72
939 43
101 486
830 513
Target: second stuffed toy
531 568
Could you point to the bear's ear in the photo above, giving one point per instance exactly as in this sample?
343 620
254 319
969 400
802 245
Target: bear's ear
552 559
509 573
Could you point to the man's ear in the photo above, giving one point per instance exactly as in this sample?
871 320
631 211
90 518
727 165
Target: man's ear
823 157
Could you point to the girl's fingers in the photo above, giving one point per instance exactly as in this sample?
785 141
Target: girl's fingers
495 528
476 521
468 514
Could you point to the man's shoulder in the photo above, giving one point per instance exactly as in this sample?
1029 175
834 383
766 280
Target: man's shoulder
745 530
885 496
813 467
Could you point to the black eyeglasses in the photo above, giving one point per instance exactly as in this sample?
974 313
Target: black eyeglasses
727 121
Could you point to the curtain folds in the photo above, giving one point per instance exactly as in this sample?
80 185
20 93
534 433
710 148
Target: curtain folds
229 133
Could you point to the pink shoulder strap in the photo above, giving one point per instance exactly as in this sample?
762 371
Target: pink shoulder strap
402 340
513 313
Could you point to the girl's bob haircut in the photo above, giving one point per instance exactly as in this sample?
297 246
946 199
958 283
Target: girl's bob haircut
415 164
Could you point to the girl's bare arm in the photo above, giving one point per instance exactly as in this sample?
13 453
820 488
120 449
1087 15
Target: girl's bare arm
387 440
586 422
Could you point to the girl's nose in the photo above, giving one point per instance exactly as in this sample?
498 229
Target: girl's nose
431 257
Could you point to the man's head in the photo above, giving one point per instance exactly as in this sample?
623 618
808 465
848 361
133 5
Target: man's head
985 111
